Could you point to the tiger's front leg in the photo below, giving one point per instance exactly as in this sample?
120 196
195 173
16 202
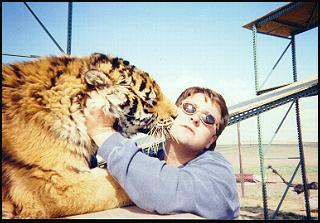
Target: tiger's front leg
71 193
93 191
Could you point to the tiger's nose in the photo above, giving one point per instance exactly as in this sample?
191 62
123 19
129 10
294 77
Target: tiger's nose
174 116
174 112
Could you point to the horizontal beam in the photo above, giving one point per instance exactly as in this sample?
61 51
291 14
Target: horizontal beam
234 118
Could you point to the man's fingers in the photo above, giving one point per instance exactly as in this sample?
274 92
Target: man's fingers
86 112
93 94
95 105
94 100
89 112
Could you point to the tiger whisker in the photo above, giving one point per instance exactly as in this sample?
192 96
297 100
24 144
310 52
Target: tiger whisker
158 134
155 137
151 132
171 135
132 116
151 135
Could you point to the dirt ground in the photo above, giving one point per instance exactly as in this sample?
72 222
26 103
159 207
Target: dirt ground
293 205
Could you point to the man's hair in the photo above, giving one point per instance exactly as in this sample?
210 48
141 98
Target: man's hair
215 98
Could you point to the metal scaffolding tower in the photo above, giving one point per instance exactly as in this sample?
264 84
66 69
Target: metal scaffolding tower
285 22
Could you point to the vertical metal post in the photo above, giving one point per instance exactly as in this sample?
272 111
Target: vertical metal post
261 155
69 28
301 152
240 161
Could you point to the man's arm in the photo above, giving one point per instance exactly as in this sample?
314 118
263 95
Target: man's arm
155 186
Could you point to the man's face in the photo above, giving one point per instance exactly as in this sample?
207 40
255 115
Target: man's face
189 130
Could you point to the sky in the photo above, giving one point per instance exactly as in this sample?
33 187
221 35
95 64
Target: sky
180 45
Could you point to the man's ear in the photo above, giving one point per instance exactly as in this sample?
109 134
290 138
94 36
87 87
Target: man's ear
212 140
97 78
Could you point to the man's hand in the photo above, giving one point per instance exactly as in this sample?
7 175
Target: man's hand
99 125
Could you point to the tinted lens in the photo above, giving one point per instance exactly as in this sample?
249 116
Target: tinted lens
208 119
189 108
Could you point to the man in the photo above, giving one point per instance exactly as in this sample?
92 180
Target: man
189 176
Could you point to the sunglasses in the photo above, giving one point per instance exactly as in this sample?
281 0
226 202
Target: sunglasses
205 117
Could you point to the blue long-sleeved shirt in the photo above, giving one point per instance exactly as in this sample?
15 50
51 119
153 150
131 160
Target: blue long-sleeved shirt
204 186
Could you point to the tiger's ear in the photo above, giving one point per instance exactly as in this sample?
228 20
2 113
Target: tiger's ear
97 78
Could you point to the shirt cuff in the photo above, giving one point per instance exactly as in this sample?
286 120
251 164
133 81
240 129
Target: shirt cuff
109 144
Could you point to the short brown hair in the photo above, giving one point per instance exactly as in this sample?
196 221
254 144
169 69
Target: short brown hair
215 98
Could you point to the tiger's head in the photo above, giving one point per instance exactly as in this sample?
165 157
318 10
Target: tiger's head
131 95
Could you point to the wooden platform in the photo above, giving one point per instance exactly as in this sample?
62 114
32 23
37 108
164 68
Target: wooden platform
290 19
131 212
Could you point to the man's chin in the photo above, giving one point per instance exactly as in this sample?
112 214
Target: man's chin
183 139
181 136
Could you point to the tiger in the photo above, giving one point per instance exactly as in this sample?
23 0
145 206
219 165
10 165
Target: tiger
49 167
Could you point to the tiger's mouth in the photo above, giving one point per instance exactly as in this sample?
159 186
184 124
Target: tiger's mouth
159 133
161 129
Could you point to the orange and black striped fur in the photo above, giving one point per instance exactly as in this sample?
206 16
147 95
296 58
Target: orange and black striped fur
46 150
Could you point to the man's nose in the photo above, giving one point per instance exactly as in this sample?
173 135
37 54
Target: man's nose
195 119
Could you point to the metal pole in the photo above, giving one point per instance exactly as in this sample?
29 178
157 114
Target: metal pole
240 161
45 29
285 192
276 132
18 55
274 67
69 28
301 152
264 190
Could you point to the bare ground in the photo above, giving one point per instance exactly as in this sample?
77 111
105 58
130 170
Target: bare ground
293 205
